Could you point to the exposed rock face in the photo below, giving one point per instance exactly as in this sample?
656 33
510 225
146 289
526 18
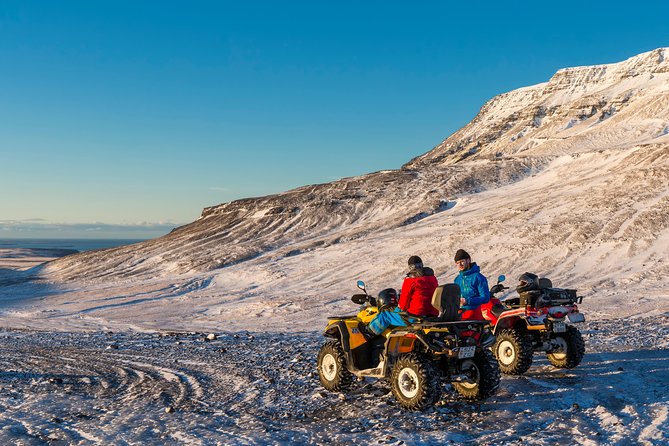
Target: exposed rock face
619 107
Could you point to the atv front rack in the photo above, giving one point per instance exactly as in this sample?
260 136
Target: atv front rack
338 318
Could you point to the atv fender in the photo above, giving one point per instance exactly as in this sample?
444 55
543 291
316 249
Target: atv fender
509 319
350 337
339 331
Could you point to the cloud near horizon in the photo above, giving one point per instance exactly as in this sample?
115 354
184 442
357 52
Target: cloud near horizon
36 228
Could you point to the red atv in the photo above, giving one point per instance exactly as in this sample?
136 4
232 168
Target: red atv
539 319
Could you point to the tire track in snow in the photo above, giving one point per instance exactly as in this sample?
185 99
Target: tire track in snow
263 389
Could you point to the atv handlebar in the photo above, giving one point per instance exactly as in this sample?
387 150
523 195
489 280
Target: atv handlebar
359 298
497 288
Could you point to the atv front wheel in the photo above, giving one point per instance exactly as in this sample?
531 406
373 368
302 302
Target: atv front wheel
513 352
415 381
332 371
570 351
483 373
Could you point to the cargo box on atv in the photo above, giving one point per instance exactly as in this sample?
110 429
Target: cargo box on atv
547 297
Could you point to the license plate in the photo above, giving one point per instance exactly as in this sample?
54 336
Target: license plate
559 327
466 352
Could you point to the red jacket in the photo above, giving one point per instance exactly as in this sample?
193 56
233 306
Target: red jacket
416 295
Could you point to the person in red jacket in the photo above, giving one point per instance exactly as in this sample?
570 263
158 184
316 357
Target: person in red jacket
417 289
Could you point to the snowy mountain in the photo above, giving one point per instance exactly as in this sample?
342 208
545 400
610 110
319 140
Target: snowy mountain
587 152
569 179
579 110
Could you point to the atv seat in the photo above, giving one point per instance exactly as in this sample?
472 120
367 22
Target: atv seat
446 299
544 283
513 302
498 309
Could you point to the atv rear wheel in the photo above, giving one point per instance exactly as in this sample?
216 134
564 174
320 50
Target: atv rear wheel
513 352
571 349
415 381
484 376
332 371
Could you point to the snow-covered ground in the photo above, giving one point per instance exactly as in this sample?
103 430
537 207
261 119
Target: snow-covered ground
262 388
100 364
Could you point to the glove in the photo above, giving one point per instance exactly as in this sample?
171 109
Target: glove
365 331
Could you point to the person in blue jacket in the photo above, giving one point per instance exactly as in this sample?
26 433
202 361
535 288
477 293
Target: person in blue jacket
389 313
474 290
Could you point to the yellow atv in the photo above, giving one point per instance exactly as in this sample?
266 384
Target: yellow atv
415 358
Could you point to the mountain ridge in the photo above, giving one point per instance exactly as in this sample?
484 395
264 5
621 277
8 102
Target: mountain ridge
522 112
622 106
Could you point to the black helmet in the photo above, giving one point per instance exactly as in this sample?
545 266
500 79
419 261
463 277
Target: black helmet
387 298
527 282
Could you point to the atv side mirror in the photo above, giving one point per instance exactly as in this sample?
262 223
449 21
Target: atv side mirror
359 298
501 278
361 285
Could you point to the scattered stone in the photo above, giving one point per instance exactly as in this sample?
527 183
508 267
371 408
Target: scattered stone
620 369
112 347
212 337
169 409
56 380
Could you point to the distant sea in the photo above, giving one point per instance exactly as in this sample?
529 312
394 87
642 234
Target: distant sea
78 244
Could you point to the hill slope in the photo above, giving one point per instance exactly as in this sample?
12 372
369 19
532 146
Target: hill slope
568 179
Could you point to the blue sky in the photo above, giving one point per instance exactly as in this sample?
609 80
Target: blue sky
140 114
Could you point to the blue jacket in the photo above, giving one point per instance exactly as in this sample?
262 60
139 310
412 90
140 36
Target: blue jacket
385 319
473 287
